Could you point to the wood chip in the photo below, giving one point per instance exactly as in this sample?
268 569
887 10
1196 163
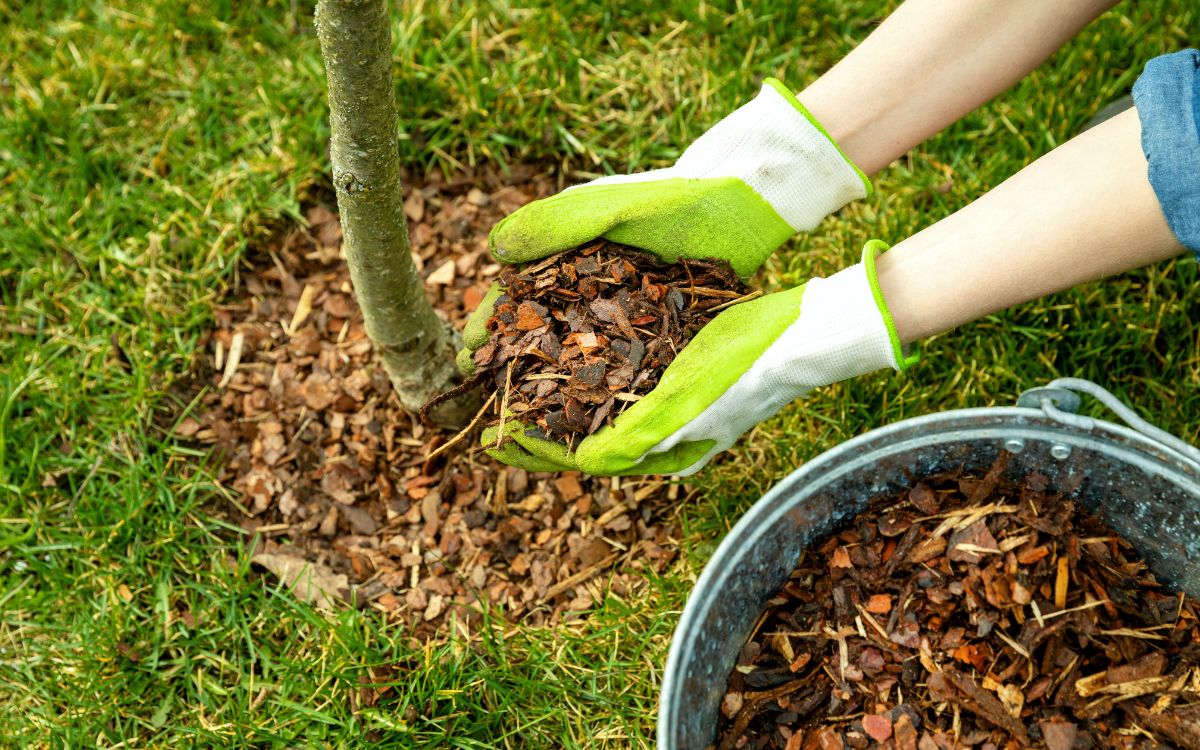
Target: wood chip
234 359
310 582
303 309
442 275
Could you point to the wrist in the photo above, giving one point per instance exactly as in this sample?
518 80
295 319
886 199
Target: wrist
896 334
843 330
792 99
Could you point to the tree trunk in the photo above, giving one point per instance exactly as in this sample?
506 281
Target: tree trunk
416 347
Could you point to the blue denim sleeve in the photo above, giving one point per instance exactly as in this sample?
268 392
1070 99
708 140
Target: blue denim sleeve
1167 96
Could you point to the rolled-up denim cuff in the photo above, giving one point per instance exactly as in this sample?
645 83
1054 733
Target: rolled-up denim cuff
1167 96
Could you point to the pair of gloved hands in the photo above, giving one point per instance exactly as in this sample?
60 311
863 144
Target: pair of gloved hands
742 189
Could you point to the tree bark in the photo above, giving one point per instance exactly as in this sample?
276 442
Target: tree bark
417 349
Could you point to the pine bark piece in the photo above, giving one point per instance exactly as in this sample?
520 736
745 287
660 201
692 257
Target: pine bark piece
416 348
948 684
310 582
1059 734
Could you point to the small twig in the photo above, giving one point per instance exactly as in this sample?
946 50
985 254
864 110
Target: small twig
464 387
691 280
1081 607
1131 633
579 577
504 402
303 308
755 701
544 264
745 298
1012 644
463 432
706 291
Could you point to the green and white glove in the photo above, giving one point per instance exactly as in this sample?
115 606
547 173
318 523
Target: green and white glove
743 367
747 364
753 180
761 174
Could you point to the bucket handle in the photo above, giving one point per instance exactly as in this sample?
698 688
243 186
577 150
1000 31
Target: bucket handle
1059 399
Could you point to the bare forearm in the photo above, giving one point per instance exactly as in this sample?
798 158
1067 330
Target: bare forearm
1082 212
931 62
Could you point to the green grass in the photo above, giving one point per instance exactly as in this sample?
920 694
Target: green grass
144 147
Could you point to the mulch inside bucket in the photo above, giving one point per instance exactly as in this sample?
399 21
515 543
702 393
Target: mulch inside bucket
969 612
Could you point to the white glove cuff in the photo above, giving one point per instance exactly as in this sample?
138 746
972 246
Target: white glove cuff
774 146
842 331
839 334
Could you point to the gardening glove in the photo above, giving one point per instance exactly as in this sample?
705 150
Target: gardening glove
742 368
745 365
754 179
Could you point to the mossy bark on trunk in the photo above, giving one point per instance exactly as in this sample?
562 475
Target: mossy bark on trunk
416 347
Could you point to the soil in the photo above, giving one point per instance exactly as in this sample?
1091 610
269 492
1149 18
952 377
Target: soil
578 337
969 612
324 466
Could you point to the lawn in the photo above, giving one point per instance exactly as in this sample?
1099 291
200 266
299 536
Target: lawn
145 148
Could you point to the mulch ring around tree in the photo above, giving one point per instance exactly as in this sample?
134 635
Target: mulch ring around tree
330 474
984 612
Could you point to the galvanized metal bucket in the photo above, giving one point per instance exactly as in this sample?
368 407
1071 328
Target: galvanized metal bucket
1143 481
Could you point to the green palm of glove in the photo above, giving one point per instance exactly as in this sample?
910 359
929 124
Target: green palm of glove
526 448
719 217
703 372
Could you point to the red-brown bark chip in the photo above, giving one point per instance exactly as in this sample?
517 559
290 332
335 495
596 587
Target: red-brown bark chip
878 727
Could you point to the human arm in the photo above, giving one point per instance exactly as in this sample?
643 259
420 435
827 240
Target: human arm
931 62
781 163
1084 211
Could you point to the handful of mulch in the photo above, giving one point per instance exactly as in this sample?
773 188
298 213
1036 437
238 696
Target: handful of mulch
579 336
969 612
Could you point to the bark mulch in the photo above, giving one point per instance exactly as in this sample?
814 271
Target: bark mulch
578 337
969 612
328 469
